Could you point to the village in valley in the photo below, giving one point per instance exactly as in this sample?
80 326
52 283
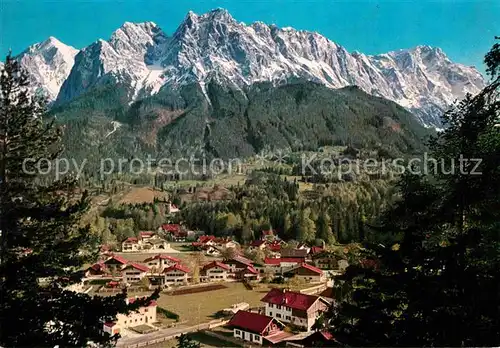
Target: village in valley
268 292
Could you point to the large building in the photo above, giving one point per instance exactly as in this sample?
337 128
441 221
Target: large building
309 273
294 307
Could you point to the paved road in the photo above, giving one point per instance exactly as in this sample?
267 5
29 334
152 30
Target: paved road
128 341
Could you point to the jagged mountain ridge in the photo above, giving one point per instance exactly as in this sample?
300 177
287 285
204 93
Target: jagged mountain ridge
143 59
48 64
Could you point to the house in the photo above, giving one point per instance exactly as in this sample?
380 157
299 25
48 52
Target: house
328 294
309 273
249 273
176 274
238 263
160 261
146 241
134 272
145 236
225 243
143 316
215 271
268 235
254 327
257 245
97 269
115 264
325 260
274 246
130 244
172 208
317 339
316 250
296 253
282 264
175 232
294 307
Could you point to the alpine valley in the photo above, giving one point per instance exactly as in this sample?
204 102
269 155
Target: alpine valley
233 89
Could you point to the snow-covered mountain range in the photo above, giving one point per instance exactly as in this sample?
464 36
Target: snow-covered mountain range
142 58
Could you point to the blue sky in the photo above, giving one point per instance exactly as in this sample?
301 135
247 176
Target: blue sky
463 29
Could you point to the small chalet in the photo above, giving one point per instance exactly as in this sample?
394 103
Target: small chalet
160 261
215 271
175 232
115 263
144 316
97 269
173 209
318 339
258 245
309 273
134 272
328 294
325 260
130 244
249 273
146 241
254 327
282 264
296 253
294 307
176 274
238 263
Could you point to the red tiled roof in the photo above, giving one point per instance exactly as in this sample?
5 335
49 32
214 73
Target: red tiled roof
110 324
171 227
316 250
216 264
117 258
205 239
277 261
243 260
131 240
292 299
177 267
250 269
146 234
327 335
274 246
257 243
162 257
252 322
311 268
137 266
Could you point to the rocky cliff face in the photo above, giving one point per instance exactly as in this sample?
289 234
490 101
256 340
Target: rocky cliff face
142 59
48 63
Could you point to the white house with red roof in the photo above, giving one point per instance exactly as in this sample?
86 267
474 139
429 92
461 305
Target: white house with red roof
238 263
294 307
215 271
147 241
114 264
255 328
134 272
144 316
176 274
280 265
309 273
160 262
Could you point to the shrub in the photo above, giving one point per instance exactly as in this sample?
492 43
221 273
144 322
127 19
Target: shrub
168 314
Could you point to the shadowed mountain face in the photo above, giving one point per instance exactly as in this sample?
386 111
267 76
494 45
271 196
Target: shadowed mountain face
232 122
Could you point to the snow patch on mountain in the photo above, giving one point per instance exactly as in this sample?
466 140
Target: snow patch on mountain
214 45
48 64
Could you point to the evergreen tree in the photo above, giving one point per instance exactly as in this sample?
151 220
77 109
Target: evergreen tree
440 285
42 248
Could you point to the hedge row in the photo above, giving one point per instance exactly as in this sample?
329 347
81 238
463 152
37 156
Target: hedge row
168 314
